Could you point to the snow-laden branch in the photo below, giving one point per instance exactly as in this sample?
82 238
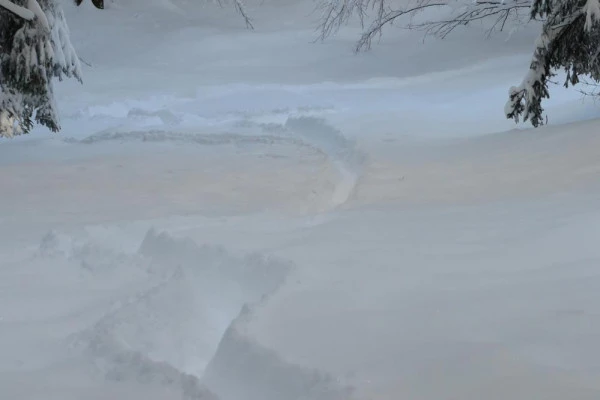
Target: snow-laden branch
525 100
40 16
33 55
22 12
592 13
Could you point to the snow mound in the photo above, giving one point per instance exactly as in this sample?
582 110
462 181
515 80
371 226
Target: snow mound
243 369
177 323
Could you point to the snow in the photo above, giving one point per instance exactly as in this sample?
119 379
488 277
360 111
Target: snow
592 13
40 16
248 215
25 13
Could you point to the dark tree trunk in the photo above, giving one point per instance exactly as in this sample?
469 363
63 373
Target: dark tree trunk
98 3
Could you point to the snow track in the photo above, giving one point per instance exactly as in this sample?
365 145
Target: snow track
311 133
342 152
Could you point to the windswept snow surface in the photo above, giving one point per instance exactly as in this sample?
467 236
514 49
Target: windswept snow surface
248 215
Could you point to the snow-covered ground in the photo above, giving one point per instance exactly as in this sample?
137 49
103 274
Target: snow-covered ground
244 214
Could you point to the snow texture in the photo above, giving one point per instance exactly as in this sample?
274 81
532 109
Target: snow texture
232 214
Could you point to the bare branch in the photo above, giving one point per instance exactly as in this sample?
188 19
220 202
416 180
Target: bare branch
241 8
377 26
443 28
335 13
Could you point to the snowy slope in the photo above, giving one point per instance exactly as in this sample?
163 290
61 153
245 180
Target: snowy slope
244 214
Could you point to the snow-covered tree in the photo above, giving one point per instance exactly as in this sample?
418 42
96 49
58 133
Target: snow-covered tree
34 49
570 39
